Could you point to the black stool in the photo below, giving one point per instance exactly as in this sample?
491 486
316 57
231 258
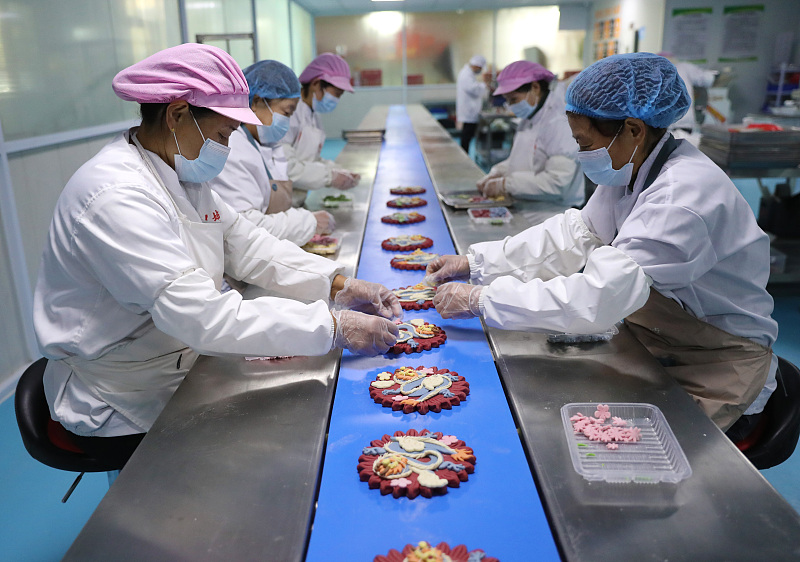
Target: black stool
46 440
776 435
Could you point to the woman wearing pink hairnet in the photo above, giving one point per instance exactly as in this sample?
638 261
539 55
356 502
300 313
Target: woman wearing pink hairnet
128 292
542 164
323 81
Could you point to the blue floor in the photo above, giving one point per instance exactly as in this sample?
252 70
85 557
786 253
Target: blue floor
36 527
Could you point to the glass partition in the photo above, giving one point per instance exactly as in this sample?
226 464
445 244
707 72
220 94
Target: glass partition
57 60
302 37
371 43
232 18
272 26
439 44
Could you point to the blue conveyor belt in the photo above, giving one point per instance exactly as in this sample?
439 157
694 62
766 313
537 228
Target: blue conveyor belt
498 508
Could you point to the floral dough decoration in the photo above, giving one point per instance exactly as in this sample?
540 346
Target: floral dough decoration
419 390
417 336
403 218
416 463
442 552
322 245
406 243
409 190
415 260
416 297
405 202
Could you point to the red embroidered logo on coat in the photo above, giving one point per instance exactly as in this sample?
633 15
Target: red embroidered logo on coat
215 216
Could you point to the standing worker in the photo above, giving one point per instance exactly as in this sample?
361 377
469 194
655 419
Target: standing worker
470 93
667 243
543 163
255 180
694 77
324 81
129 285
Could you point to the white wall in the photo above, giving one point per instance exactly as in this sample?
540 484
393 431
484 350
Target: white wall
747 92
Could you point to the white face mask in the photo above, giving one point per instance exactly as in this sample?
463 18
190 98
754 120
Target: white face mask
208 164
598 167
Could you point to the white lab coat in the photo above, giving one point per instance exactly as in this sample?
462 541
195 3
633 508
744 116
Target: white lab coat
302 146
115 268
543 163
693 76
690 234
245 186
470 92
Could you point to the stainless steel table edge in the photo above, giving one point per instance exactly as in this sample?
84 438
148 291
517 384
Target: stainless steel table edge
203 482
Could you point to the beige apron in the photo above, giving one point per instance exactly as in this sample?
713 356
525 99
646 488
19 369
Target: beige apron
723 373
279 194
139 377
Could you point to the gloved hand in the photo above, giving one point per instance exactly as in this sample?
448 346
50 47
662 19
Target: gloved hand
342 179
482 182
356 177
325 222
458 300
362 333
494 187
371 298
446 268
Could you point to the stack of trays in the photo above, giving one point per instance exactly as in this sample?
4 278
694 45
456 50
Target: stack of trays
733 146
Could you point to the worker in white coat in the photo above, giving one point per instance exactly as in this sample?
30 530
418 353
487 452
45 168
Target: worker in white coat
255 180
693 76
129 284
470 93
543 163
324 81
666 242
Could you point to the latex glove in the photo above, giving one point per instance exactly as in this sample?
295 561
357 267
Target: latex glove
362 333
446 268
356 177
342 179
325 222
494 187
371 298
482 182
458 300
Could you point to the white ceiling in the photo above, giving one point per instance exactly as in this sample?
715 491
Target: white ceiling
342 7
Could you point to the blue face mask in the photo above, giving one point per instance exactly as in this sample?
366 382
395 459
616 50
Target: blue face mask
208 164
521 109
598 167
270 134
326 104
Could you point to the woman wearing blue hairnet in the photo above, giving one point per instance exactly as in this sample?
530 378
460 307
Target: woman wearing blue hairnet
666 243
255 180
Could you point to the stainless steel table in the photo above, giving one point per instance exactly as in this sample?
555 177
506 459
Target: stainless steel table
230 469
725 511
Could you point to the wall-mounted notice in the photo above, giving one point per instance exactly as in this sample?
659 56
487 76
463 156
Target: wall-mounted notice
689 37
740 36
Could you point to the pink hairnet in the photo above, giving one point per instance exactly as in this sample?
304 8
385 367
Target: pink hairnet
329 67
202 75
520 73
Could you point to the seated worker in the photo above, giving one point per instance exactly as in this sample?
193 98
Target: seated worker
129 284
255 179
542 164
667 243
323 82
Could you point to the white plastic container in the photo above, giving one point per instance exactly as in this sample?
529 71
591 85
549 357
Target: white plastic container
657 457
497 215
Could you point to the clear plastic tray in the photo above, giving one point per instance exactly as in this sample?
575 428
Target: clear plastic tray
337 202
474 200
501 215
657 457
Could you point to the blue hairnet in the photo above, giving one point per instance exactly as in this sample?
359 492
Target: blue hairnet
270 79
640 85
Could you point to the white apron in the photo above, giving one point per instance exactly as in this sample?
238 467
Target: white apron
139 377
308 145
